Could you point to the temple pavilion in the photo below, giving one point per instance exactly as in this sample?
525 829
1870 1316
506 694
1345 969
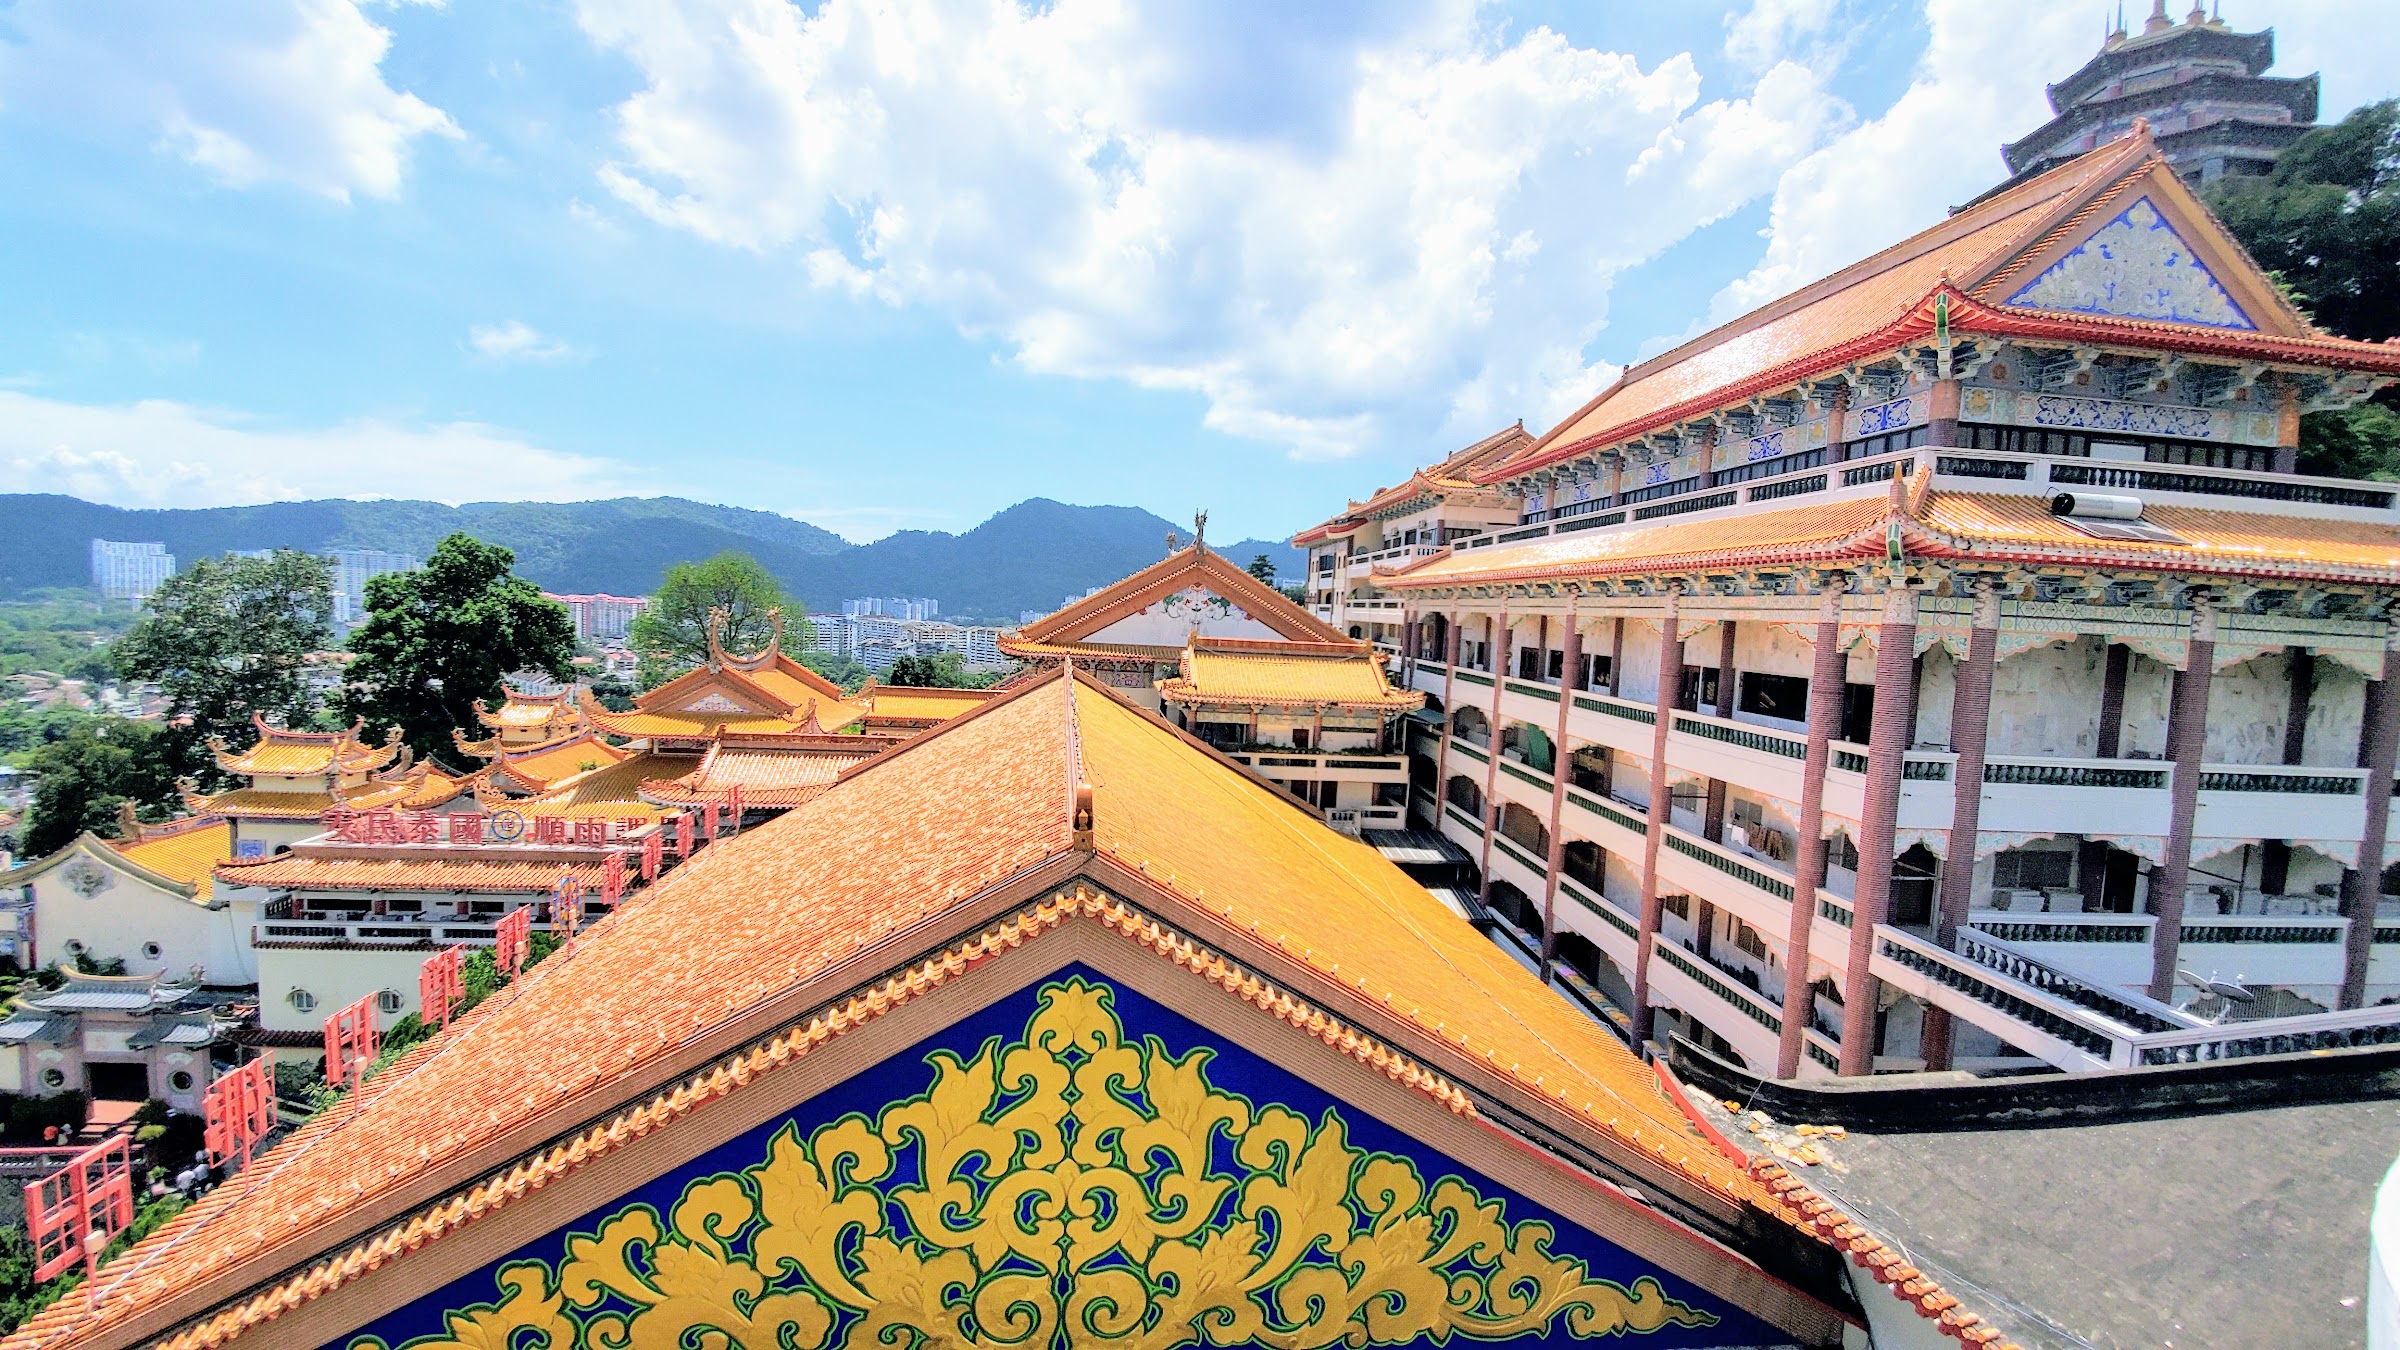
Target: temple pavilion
291 778
523 720
1001 1041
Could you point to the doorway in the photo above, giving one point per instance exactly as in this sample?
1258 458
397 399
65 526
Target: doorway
117 1082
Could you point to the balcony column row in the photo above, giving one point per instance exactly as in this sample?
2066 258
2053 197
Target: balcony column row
1441 767
1491 759
1887 746
1573 661
2187 736
1670 680
1970 729
1808 864
2362 886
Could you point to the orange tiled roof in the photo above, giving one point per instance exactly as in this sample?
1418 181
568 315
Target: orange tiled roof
183 855
419 789
1193 565
778 771
1345 675
536 767
522 710
475 875
613 791
1937 524
899 840
281 753
908 703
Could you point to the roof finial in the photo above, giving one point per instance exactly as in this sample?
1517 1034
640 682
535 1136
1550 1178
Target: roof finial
1200 530
717 619
1174 542
2158 21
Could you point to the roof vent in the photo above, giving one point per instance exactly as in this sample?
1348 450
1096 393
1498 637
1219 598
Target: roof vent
2106 516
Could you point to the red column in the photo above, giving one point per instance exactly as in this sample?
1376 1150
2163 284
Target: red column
1970 725
2187 734
1713 823
1616 660
1887 746
1491 761
1670 679
2362 886
1836 413
1808 863
1441 768
1572 660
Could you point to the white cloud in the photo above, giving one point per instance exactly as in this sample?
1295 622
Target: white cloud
160 453
1339 226
285 91
1775 30
516 341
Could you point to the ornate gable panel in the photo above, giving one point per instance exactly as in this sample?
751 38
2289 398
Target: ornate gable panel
2137 266
1072 1166
1171 618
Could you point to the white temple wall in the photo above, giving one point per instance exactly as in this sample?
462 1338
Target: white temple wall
2248 706
1772 649
2334 711
1937 692
2047 701
1640 682
2149 693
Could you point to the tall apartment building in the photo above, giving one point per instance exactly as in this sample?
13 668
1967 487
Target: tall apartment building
2202 87
123 571
1943 665
602 618
917 609
351 569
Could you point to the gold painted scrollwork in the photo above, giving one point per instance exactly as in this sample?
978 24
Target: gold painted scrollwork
1065 1187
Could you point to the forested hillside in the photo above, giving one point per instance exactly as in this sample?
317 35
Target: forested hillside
1026 557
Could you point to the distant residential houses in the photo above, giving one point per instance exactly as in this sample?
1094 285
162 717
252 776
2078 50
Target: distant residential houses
876 641
604 619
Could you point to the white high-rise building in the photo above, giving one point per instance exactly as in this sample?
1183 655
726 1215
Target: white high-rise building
351 569
125 571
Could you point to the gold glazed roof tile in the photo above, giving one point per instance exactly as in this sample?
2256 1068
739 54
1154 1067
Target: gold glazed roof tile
1347 675
184 855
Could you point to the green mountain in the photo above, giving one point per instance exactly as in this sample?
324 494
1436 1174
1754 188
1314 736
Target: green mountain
1029 556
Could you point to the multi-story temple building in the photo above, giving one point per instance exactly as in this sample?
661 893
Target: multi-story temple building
1234 661
2202 87
1942 665
1049 1028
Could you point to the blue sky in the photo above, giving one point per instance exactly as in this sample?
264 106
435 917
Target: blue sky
882 266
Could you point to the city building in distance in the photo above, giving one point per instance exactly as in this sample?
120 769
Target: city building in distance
1940 666
894 607
122 571
2212 108
603 619
351 569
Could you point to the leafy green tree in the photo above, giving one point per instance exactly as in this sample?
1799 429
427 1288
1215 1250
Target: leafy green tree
439 638
671 635
227 638
937 670
94 765
1262 567
2326 224
844 671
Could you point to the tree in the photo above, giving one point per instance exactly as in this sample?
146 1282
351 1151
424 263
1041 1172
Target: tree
2326 225
671 635
1263 567
228 638
937 670
93 766
441 637
2326 222
842 670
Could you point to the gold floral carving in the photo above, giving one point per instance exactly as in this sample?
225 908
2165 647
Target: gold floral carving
1064 1188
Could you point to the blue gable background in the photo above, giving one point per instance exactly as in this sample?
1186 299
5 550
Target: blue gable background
1104 1172
2135 267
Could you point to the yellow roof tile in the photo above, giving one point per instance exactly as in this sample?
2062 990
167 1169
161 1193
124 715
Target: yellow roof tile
1349 675
185 856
